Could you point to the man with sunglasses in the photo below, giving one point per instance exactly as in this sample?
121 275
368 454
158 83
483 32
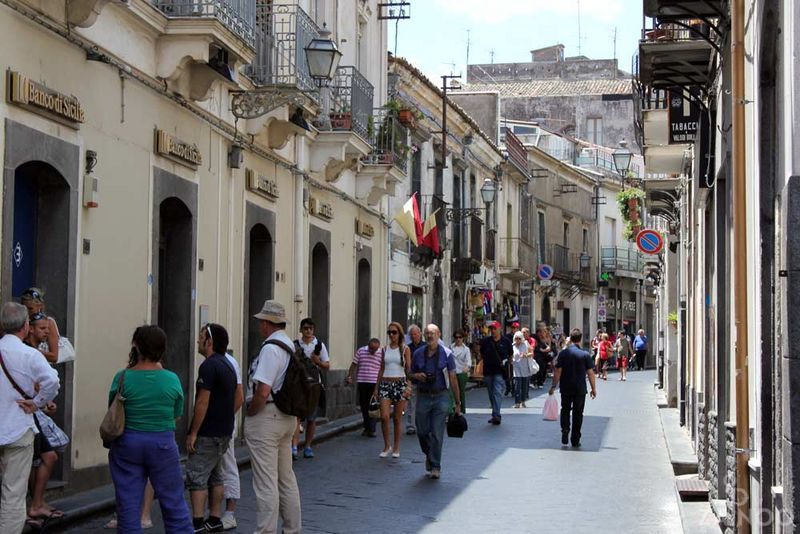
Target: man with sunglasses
315 350
211 429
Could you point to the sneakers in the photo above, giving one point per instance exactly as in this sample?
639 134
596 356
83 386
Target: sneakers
294 453
213 527
308 453
228 521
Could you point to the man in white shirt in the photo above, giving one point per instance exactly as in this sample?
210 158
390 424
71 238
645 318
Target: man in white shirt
230 469
268 431
317 352
22 368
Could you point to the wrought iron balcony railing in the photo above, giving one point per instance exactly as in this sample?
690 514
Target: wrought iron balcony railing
351 101
282 31
389 140
558 258
518 254
620 258
239 16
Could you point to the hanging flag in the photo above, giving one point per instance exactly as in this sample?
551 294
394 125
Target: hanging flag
410 221
430 233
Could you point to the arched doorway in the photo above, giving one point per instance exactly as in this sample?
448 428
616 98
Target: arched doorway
363 303
456 312
38 258
260 285
175 263
319 296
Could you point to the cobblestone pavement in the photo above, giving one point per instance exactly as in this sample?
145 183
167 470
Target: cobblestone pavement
512 478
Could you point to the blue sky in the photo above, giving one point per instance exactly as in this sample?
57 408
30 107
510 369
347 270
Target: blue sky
436 35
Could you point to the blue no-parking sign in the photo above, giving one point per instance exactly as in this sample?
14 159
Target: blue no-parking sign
649 241
544 271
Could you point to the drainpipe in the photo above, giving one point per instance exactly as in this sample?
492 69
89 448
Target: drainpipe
300 243
740 267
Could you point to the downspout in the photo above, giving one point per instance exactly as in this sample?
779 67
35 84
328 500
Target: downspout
740 267
300 243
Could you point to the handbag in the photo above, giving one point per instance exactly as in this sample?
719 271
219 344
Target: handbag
56 437
113 424
533 366
374 408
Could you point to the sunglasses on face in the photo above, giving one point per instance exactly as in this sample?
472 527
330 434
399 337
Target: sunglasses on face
459 337
392 332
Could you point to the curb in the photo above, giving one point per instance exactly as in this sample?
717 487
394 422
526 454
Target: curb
106 503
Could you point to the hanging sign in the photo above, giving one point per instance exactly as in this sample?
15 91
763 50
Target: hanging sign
684 116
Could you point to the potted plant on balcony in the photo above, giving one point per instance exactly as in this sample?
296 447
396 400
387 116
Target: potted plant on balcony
672 319
628 200
341 119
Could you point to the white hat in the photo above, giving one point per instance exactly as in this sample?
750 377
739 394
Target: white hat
272 311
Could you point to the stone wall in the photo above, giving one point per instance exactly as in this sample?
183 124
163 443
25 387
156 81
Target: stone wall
341 399
729 523
713 462
569 69
702 442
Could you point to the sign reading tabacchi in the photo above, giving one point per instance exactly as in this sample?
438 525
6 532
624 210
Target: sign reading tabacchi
169 146
36 97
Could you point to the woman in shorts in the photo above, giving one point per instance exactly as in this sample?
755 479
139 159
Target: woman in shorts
392 387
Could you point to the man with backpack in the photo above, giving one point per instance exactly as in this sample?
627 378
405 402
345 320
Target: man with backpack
268 430
318 359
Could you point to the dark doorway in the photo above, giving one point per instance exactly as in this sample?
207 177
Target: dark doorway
319 295
546 318
38 257
363 303
587 326
175 295
438 303
456 314
260 286
566 323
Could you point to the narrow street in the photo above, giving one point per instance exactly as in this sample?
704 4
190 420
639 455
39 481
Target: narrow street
511 478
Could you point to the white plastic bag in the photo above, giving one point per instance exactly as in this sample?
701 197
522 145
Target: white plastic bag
550 411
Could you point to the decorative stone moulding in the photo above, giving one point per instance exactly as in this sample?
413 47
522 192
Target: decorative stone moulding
335 152
84 13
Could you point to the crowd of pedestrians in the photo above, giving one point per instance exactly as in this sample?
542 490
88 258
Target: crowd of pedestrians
415 378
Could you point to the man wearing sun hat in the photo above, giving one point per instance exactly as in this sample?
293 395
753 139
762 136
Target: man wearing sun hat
495 349
268 431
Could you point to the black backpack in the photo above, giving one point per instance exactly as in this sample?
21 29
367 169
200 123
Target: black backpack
302 386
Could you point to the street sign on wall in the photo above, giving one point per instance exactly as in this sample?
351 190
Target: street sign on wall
649 241
684 116
544 271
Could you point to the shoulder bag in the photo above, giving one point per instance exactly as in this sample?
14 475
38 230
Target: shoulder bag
113 424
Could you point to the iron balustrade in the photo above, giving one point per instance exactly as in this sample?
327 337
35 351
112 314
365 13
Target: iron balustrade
239 16
476 238
351 101
518 254
282 32
389 139
621 258
558 258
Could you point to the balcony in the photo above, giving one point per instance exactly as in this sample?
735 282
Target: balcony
623 261
344 132
676 53
681 9
386 164
518 259
203 42
573 269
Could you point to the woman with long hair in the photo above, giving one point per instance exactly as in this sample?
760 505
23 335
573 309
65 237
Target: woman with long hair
392 387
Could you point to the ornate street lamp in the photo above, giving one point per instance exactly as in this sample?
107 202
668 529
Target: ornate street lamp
322 56
622 159
488 190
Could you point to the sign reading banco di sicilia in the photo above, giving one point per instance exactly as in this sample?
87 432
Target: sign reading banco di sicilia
260 184
36 97
181 151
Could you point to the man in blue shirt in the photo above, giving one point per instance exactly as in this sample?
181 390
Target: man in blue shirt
640 347
572 368
431 370
495 351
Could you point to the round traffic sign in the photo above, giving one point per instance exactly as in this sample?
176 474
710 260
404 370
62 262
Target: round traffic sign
649 241
544 271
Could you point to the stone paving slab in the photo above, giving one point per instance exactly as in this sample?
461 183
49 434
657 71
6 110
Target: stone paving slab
679 445
512 478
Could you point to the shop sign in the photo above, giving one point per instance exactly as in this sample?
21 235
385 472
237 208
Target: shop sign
175 149
261 185
364 229
320 209
629 305
37 98
684 116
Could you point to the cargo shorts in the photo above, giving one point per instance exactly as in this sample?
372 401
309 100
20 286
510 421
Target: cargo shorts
204 467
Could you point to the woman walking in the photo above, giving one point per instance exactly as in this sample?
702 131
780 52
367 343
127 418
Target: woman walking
522 375
604 352
463 358
624 352
392 387
542 356
147 448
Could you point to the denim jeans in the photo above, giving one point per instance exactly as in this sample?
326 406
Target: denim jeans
495 385
430 418
137 456
521 388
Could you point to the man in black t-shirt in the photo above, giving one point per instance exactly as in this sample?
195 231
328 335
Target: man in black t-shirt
495 351
211 428
572 368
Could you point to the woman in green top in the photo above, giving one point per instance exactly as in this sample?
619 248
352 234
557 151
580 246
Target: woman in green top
147 448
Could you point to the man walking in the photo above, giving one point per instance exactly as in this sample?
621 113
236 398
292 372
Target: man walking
366 364
22 368
431 369
640 346
572 367
317 352
211 429
415 342
495 350
268 431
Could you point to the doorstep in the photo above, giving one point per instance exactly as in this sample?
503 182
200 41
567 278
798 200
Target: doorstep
679 445
101 499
